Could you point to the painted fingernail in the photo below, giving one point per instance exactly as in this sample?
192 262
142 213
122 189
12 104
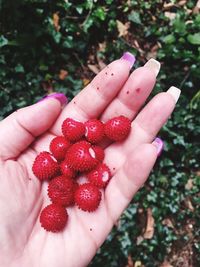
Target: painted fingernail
159 144
129 57
153 65
59 96
174 92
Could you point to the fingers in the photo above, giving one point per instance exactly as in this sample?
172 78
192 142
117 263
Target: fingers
155 114
134 93
144 128
129 179
92 100
19 129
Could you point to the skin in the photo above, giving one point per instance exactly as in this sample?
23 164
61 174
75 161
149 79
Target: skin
28 131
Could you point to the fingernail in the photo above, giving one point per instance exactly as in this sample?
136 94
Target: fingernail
59 96
153 65
129 57
159 144
174 92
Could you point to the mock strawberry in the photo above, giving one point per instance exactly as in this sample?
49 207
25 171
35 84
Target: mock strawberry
66 170
100 176
53 218
61 191
58 147
73 130
117 128
87 197
99 152
45 166
81 157
94 131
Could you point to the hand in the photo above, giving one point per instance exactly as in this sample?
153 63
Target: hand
29 130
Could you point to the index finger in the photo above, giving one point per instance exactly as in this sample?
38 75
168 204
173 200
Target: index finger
96 96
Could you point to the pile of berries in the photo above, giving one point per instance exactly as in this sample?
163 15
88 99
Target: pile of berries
76 153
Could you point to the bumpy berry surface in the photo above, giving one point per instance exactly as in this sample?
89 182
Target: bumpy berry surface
61 191
81 157
58 147
99 152
87 197
100 176
94 131
118 128
73 130
44 166
53 218
66 170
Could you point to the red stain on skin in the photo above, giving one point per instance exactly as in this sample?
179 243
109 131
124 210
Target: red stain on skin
138 90
127 92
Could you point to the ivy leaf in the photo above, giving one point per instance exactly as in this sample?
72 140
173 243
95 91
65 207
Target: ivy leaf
3 41
194 38
169 39
134 17
19 68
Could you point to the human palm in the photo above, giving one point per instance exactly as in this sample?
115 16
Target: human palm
28 131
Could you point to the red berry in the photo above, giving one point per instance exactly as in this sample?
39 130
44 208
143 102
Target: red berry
73 130
118 128
99 152
87 197
66 170
53 218
81 157
94 131
100 176
44 166
61 191
58 147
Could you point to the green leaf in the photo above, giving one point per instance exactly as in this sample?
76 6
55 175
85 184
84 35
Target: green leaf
19 68
179 26
43 67
3 41
194 38
134 17
79 9
100 13
169 39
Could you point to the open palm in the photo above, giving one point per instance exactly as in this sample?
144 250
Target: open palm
28 131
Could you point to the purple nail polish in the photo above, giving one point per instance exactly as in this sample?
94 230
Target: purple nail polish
129 57
159 145
59 96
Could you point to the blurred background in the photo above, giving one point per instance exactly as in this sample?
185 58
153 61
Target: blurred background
48 46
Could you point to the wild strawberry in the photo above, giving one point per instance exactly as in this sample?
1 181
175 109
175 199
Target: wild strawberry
118 128
81 157
53 218
61 191
100 176
58 147
94 131
45 167
66 170
73 130
99 152
87 197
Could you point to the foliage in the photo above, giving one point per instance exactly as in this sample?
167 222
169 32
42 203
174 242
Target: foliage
39 38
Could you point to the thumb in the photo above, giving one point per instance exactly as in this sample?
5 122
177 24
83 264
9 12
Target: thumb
19 130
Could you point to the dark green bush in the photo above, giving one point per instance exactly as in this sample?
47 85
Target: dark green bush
34 48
